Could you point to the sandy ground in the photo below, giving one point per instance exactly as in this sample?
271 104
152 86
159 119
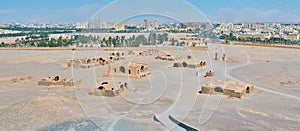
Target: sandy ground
167 91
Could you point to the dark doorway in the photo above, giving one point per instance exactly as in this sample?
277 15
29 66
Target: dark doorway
184 64
248 90
56 78
142 69
101 88
89 61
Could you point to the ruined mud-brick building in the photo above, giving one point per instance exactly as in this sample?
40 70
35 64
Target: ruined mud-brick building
117 53
108 88
218 58
83 63
190 63
143 53
122 53
132 70
110 59
92 62
166 57
209 74
56 81
229 88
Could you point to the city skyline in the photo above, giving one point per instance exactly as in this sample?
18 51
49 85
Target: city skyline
81 10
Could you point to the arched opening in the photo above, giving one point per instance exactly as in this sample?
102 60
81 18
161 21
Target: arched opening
56 78
104 83
122 69
142 69
247 90
118 54
184 64
218 89
89 61
101 88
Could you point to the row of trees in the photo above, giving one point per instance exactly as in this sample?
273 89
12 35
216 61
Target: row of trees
35 31
119 41
41 43
259 40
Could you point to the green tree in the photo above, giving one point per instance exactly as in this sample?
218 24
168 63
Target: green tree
141 39
109 41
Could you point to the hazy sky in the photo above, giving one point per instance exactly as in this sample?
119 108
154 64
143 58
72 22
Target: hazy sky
215 10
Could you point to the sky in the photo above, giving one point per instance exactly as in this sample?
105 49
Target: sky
72 11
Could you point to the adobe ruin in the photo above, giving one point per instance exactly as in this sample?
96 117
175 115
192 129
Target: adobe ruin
209 74
92 62
83 63
57 81
132 70
117 54
143 53
189 63
122 53
223 58
166 57
230 88
108 89
19 80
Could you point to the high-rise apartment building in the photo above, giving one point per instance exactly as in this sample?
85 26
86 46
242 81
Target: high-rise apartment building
146 24
94 24
155 24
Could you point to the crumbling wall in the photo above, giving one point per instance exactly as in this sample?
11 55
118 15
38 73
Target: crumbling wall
230 89
209 74
205 90
56 81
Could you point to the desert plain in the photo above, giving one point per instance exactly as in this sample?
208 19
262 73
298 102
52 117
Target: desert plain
168 93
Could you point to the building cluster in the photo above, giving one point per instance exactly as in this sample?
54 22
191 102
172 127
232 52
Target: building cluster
146 25
86 63
97 24
2 31
38 25
154 25
259 30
